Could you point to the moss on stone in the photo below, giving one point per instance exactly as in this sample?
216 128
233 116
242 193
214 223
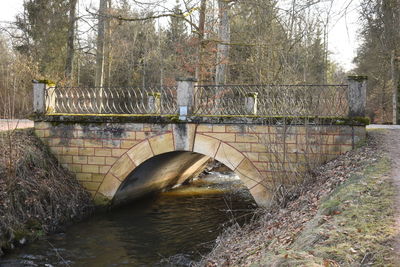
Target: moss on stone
223 119
47 82
358 78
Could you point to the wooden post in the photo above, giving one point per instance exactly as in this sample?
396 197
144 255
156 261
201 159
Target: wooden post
357 96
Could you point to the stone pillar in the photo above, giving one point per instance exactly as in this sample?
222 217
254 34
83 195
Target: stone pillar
357 95
44 97
50 98
39 99
251 103
154 103
185 97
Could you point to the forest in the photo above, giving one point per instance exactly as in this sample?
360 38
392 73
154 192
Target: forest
150 43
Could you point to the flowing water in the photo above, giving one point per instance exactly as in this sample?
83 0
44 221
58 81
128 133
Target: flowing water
170 229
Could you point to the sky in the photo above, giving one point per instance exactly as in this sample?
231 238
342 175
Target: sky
342 42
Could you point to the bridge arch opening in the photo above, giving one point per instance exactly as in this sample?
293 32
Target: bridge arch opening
157 163
161 172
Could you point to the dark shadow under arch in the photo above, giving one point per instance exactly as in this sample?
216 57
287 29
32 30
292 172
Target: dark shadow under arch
159 173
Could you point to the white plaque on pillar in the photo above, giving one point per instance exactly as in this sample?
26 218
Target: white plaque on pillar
183 111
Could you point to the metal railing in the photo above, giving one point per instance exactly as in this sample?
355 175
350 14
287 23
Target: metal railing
111 100
209 100
272 100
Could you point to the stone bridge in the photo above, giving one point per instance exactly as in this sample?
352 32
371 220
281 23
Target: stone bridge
118 157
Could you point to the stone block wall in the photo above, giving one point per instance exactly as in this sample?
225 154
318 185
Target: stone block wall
102 155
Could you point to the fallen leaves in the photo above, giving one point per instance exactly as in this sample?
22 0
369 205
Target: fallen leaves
278 228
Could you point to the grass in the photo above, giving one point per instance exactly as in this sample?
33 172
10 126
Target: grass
354 225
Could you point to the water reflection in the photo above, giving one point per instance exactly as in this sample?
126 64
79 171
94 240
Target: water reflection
179 225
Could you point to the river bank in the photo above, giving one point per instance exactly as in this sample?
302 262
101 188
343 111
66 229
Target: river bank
343 216
37 195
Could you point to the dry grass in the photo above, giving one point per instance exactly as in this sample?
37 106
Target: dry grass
37 195
344 217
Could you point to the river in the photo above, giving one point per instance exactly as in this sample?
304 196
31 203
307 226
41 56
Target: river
169 229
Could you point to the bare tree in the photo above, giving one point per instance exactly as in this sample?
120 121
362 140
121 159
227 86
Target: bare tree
107 48
71 39
99 78
201 36
223 46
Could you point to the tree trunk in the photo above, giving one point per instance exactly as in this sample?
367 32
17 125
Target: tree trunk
99 78
71 38
395 85
222 46
200 46
107 47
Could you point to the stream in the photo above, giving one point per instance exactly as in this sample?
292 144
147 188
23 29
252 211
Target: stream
169 229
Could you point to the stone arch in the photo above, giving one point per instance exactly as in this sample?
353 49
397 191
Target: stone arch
201 144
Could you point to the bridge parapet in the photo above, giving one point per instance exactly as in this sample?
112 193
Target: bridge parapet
188 99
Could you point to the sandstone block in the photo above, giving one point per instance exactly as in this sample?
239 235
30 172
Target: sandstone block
229 156
122 168
93 143
98 178
184 136
90 186
140 153
247 138
75 167
130 135
76 142
84 176
111 160
218 128
204 128
225 137
251 156
65 159
104 169
103 152
90 168
70 151
259 148
236 129
162 143
109 186
242 147
97 160
128 143
116 152
86 151
111 144
343 139
80 159
206 145
262 129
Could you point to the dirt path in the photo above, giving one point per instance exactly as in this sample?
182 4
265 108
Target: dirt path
6 125
391 144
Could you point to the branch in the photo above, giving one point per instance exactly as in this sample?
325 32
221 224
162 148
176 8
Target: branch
182 16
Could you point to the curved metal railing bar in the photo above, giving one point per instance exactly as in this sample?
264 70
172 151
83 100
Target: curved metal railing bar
273 100
110 100
209 100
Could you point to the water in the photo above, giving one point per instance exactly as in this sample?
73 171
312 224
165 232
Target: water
171 229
